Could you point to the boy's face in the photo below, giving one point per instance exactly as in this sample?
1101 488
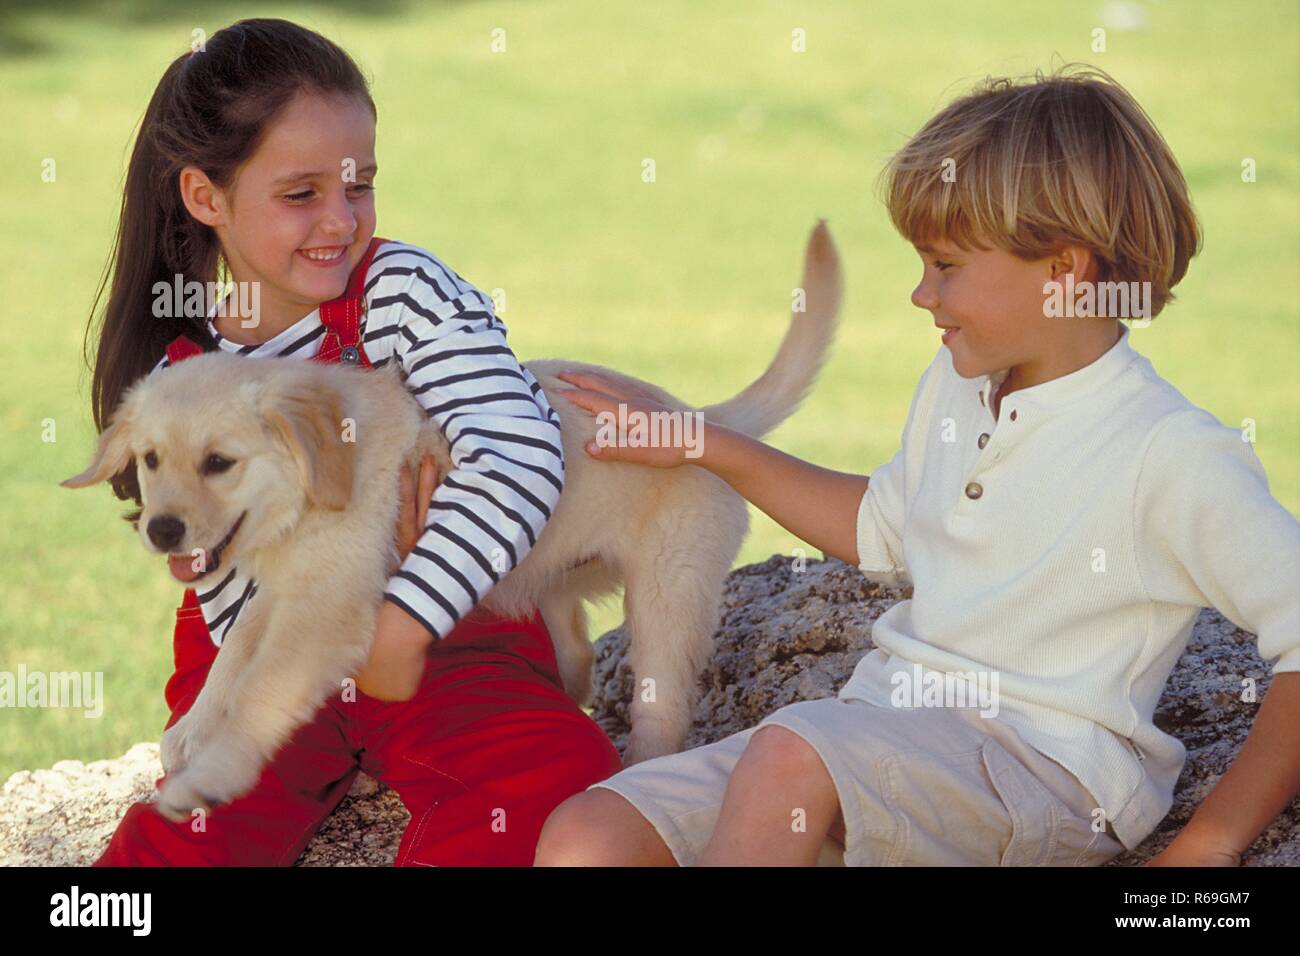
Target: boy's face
994 302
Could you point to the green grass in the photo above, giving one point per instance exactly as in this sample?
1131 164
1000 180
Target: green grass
523 171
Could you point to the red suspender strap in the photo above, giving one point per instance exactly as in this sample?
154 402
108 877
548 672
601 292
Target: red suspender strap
182 348
342 317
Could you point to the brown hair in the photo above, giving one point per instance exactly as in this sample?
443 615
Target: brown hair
211 109
1031 166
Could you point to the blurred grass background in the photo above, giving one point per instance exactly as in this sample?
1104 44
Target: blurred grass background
522 170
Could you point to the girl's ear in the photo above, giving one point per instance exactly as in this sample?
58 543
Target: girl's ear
307 414
113 453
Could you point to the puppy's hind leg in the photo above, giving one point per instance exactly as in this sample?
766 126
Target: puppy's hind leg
566 620
671 602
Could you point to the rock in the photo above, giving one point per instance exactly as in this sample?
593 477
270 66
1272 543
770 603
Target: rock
788 636
65 816
785 636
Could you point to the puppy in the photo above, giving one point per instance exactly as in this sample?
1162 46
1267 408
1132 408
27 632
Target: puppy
245 459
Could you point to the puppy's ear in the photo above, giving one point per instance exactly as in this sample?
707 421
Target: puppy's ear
113 452
308 415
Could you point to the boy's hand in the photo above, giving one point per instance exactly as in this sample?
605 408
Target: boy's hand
595 394
1189 851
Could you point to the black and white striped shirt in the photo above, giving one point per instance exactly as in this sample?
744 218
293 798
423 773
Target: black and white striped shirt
507 460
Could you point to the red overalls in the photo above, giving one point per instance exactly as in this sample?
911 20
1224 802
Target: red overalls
480 756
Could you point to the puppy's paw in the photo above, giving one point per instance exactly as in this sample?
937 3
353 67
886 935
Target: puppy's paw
183 740
218 775
176 748
178 798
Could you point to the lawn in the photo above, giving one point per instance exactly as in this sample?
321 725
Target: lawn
523 170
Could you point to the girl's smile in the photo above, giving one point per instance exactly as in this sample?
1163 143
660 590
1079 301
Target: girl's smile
324 257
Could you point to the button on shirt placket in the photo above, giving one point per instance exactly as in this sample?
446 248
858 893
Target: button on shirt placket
974 490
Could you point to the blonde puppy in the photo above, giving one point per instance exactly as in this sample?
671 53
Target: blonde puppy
246 458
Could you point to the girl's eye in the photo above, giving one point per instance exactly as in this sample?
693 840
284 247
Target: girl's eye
216 464
306 193
942 266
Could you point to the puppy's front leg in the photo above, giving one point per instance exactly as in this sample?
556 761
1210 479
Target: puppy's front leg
306 651
189 735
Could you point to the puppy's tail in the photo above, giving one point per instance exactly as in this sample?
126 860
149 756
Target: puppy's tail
775 395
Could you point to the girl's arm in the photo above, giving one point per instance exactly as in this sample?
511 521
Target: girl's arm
814 504
504 441
397 654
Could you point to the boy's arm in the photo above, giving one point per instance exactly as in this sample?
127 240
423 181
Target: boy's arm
1211 535
830 510
1259 784
815 504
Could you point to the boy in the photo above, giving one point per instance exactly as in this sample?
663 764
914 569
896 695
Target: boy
1062 512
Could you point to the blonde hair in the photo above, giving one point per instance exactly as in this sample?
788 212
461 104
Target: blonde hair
1031 166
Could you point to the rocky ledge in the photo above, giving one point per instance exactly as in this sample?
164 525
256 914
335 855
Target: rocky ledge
788 633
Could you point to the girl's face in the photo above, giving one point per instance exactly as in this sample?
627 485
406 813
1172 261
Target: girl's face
307 188
994 302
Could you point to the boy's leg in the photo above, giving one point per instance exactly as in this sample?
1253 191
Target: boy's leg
779 807
600 827
670 802
270 825
942 786
487 748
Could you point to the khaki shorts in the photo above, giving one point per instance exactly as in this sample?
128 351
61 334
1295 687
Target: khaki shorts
927 786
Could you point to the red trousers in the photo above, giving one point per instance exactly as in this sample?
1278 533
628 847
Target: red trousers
486 749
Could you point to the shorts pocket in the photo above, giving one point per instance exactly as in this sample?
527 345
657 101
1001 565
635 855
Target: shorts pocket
1039 819
943 810
1097 846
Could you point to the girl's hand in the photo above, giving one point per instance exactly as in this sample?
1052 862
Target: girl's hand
413 511
597 395
397 653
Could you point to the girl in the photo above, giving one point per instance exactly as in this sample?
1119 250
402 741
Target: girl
258 152
1063 514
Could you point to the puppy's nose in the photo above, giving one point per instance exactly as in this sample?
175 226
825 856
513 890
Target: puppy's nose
165 531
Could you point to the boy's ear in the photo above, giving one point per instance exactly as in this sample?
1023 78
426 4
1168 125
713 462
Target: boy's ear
113 452
1074 259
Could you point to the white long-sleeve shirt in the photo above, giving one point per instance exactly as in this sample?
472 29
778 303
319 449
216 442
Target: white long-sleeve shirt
508 462
1067 547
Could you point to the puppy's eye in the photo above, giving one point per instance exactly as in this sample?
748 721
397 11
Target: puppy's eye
150 460
216 464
